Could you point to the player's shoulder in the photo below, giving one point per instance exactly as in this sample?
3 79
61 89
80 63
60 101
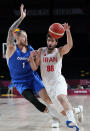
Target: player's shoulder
30 47
42 48
56 49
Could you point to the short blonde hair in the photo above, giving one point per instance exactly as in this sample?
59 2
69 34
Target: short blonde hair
19 32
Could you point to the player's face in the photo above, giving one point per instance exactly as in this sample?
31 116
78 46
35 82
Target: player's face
51 43
22 39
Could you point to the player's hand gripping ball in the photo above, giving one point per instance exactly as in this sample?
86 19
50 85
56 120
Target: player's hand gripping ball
56 30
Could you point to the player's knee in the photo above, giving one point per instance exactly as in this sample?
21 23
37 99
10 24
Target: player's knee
31 98
61 98
47 100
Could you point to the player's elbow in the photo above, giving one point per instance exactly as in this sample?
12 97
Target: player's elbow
70 45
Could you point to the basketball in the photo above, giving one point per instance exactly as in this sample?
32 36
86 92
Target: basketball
56 30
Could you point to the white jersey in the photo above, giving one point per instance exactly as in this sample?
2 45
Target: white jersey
53 80
51 65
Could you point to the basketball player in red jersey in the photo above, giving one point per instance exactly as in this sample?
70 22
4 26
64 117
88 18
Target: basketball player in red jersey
50 60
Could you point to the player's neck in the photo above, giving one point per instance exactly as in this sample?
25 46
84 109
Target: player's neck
50 51
22 48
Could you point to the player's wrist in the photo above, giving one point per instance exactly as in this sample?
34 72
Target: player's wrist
21 17
68 31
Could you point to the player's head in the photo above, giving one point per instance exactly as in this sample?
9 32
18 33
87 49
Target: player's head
21 37
51 42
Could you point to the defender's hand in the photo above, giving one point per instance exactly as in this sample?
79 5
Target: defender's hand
22 11
33 55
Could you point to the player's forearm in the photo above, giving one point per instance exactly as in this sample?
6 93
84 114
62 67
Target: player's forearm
33 64
10 38
16 24
69 39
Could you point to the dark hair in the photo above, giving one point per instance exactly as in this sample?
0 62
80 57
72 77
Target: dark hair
48 35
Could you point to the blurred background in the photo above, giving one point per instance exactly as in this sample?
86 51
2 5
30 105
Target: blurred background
40 15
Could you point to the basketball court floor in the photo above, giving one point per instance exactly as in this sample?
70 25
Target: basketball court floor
17 114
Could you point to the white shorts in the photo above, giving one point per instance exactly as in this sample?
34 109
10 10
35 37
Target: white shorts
53 90
56 87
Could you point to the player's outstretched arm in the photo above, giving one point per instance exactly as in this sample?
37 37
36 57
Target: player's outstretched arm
66 48
10 38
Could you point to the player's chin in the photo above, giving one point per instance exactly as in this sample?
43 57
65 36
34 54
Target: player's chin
23 44
50 48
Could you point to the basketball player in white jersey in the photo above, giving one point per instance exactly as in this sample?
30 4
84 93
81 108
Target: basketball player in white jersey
50 60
